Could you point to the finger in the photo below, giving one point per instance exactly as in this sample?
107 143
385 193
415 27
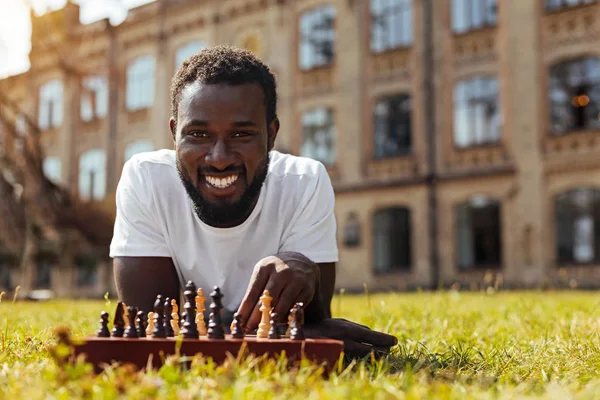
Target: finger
289 296
354 349
255 290
365 335
273 287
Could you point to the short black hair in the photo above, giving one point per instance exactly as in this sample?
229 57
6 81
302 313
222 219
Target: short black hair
229 65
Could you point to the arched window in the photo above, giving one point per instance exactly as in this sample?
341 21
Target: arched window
477 112
392 126
575 95
479 233
94 98
577 216
391 24
187 50
92 175
318 128
392 240
140 82
317 37
139 146
50 108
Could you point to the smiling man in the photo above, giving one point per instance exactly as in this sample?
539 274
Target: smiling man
225 209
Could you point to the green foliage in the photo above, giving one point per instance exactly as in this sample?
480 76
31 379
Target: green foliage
451 345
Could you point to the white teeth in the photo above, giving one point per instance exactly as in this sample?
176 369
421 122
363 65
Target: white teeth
221 182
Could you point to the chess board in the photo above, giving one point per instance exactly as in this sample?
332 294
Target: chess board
143 340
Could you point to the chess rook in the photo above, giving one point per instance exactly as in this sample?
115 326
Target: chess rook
189 330
140 322
119 321
215 325
159 326
168 317
131 331
103 331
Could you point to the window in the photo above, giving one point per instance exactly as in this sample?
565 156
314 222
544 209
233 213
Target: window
391 24
577 215
50 108
86 270
92 175
52 169
43 276
479 233
94 98
575 95
187 50
392 126
5 277
139 146
468 15
557 4
318 129
317 37
477 113
140 83
391 240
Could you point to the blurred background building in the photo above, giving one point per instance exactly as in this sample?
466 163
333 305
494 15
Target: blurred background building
461 135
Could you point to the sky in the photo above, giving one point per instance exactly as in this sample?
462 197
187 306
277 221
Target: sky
15 26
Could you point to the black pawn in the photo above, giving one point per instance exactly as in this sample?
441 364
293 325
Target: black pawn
103 331
141 324
238 329
119 321
215 325
159 326
274 331
131 332
168 310
189 329
297 331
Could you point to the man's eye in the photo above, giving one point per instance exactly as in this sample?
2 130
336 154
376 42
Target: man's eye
198 134
241 134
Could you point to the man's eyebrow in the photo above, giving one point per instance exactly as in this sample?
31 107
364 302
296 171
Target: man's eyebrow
196 122
241 124
237 124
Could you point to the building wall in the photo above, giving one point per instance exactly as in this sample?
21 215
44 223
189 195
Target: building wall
523 170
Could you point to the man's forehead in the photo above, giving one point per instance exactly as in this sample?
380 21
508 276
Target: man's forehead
198 93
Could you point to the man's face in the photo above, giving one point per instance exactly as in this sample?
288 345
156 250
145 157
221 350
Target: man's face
222 143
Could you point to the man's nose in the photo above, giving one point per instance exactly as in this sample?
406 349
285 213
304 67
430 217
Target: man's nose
220 157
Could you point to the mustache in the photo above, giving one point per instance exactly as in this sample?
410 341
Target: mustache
212 170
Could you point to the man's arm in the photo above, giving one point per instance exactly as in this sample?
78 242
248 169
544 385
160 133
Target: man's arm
327 286
140 279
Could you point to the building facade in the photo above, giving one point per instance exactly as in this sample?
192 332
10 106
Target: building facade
461 136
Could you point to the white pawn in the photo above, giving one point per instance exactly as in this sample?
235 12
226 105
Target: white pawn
150 326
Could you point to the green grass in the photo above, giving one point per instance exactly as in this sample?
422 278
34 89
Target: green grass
451 346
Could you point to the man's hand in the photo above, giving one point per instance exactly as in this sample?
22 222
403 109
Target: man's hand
359 340
289 277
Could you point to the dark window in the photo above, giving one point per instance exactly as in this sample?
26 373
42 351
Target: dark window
392 240
558 4
479 234
392 126
575 95
43 275
477 112
468 15
577 215
317 37
86 275
5 278
391 24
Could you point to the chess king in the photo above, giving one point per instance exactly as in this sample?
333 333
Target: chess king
223 208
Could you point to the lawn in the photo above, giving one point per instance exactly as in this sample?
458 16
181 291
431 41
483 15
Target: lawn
451 345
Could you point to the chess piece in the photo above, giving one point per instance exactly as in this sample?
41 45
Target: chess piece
189 330
125 316
141 324
169 332
289 324
265 322
150 326
215 325
200 308
119 321
297 331
103 331
274 331
131 331
159 326
237 328
175 317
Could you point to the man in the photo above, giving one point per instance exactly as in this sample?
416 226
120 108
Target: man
224 209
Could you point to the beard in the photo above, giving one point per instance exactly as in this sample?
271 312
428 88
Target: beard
225 213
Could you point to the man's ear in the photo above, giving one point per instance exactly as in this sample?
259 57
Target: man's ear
272 131
173 129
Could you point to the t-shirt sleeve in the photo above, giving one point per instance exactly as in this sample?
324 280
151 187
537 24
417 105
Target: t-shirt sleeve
313 229
136 233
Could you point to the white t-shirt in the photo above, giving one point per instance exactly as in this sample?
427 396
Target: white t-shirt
155 218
